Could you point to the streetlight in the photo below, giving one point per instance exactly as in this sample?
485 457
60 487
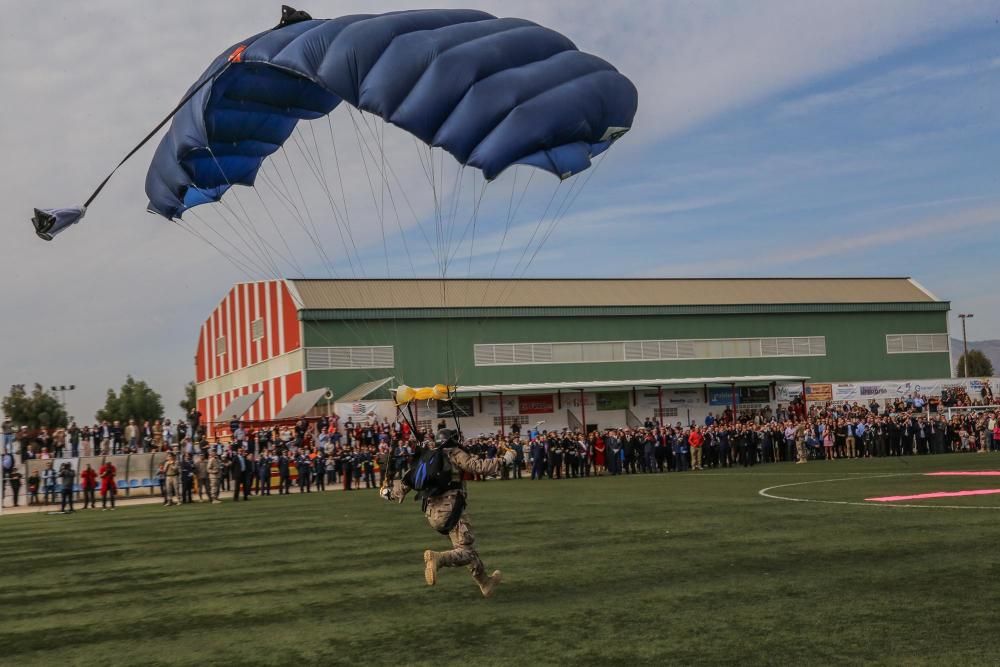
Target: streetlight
965 344
62 389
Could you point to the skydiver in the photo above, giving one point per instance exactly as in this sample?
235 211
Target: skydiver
433 476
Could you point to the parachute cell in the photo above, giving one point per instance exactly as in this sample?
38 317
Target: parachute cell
491 92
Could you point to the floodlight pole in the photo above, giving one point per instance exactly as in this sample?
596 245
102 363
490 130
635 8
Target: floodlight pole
733 397
965 344
61 390
659 400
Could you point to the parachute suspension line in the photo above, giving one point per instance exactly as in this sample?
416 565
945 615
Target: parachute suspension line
385 246
340 180
453 200
511 216
381 212
371 185
267 251
321 175
438 223
590 174
371 190
277 228
534 233
475 219
256 261
420 157
311 162
184 225
560 214
261 252
409 205
298 187
257 247
472 218
285 199
392 199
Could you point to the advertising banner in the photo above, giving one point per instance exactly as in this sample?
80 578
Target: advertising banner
356 410
786 393
863 392
722 396
491 405
539 404
575 400
819 393
612 400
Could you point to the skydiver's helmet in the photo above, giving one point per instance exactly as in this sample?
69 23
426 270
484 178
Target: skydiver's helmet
447 437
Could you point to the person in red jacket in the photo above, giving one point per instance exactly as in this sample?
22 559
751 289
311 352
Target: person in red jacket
696 440
108 486
88 479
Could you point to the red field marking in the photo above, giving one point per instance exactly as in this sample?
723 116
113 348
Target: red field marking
937 494
965 473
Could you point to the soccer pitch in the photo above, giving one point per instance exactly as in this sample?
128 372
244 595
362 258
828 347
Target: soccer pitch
692 568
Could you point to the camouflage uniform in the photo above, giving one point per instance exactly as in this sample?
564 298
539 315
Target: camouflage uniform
439 509
214 469
800 444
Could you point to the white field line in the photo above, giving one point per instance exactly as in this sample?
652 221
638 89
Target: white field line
766 494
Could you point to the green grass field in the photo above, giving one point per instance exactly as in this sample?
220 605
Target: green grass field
695 568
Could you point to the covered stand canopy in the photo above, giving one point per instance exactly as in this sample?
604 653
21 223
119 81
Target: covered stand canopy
300 404
238 407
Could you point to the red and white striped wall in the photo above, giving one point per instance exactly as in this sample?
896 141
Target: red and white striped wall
272 363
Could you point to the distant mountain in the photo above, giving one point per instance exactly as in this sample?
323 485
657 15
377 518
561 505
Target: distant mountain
991 348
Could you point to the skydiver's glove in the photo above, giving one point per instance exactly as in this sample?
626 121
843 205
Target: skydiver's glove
386 493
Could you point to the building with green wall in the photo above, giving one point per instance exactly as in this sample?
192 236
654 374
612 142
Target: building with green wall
488 336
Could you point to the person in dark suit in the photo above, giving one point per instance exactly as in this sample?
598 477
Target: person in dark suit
319 471
304 467
187 479
264 475
241 472
284 474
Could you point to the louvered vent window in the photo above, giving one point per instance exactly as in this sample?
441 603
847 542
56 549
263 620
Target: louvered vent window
342 358
514 354
916 343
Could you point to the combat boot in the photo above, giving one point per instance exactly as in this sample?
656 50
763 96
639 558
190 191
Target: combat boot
488 585
432 561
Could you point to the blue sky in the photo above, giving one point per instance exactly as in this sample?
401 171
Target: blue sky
773 138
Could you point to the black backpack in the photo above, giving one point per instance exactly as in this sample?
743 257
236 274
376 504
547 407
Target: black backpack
430 474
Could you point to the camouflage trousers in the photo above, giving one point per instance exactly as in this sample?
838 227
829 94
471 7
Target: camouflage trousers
463 541
800 450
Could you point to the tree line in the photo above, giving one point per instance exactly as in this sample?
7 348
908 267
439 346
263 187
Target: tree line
135 399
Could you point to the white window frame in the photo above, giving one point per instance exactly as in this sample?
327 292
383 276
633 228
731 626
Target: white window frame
546 353
254 334
918 336
344 358
220 346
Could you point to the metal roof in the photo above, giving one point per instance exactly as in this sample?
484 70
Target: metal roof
238 407
363 390
588 292
740 381
301 404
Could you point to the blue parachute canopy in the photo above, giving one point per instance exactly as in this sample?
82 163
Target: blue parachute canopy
492 92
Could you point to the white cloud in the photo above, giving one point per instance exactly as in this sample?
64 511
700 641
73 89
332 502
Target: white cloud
838 243
124 292
882 86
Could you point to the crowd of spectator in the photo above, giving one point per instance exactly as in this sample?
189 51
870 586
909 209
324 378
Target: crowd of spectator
318 453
